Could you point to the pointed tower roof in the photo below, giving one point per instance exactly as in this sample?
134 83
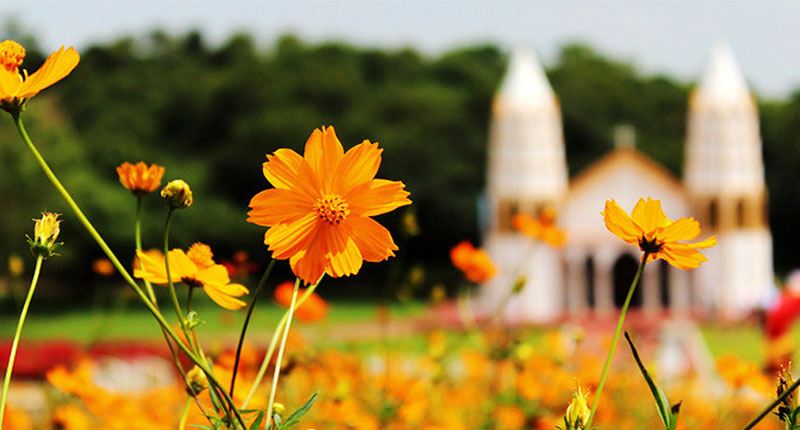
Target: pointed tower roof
525 86
723 82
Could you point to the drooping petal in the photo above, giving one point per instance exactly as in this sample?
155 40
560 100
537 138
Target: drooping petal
377 197
287 239
221 298
648 215
10 83
58 65
708 243
359 165
373 240
344 258
286 169
278 206
682 229
620 224
681 255
323 152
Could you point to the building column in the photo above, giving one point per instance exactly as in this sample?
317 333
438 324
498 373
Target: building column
604 281
577 304
651 294
680 296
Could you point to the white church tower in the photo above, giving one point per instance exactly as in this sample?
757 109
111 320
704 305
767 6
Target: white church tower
527 173
724 175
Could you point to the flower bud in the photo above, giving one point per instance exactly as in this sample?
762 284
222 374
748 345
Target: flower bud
196 379
519 284
177 194
45 233
789 403
279 408
578 411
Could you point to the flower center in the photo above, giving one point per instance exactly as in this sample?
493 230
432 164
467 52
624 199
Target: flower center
11 55
201 255
191 282
649 246
332 209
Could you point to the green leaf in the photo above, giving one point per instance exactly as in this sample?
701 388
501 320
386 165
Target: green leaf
662 404
197 426
295 417
257 423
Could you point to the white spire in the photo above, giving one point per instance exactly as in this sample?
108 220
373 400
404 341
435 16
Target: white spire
723 82
525 86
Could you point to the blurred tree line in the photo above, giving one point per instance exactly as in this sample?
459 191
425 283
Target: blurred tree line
209 114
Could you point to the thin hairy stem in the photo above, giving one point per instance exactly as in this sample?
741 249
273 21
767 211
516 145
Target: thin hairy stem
274 343
20 323
138 239
277 372
252 306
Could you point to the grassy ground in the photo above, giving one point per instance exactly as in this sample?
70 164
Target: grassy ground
133 322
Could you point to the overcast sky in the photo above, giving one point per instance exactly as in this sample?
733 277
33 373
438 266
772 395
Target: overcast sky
665 36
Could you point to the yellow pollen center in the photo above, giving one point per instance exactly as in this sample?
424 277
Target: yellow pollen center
332 209
11 55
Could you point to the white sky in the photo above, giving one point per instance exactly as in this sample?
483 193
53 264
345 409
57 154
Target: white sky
667 36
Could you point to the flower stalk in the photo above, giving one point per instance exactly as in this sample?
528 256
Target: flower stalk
277 372
615 339
20 323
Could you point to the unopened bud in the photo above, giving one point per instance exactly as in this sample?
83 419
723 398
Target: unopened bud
177 194
197 379
578 411
279 408
192 320
45 233
519 284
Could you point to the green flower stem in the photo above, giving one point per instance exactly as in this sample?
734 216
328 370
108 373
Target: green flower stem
172 294
12 356
260 285
114 260
138 238
787 392
280 353
614 340
184 415
274 343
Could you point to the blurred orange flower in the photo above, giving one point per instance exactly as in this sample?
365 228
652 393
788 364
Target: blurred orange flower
15 88
313 308
320 207
474 262
139 178
103 267
656 234
542 228
194 272
71 417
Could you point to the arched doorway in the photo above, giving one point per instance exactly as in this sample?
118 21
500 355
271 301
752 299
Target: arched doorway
589 282
624 271
663 284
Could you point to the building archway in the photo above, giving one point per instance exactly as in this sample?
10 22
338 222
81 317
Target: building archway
624 271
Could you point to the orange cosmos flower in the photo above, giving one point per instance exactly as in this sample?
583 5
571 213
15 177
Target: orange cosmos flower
656 234
139 178
542 228
312 309
319 211
195 269
15 88
103 267
474 262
